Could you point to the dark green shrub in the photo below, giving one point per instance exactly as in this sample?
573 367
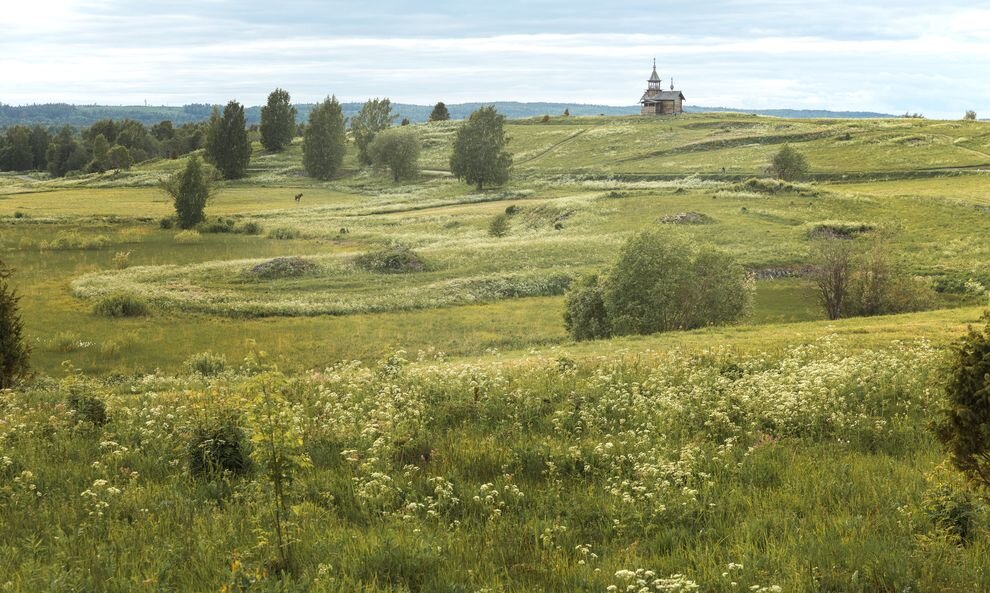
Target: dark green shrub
207 364
964 423
216 447
121 305
585 315
394 259
952 510
14 349
166 222
499 226
250 228
88 408
512 210
218 225
19 214
838 229
776 186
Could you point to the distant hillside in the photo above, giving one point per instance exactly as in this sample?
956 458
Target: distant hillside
59 114
793 113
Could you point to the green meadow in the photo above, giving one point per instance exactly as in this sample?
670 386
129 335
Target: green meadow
454 438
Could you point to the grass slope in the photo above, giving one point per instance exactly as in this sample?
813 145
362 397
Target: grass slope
473 447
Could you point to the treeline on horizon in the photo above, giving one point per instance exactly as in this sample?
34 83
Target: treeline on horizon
59 114
55 115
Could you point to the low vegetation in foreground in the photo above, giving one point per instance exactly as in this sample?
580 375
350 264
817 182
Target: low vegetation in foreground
709 470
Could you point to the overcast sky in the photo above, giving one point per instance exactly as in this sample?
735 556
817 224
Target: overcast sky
878 55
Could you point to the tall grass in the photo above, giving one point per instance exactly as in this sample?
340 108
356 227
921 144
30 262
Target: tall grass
800 472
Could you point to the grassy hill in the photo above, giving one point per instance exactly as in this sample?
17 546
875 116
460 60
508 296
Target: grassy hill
450 436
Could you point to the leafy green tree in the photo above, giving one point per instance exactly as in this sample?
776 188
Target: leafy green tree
324 141
14 350
65 154
40 139
439 112
789 164
375 116
101 151
970 115
163 130
107 127
398 150
663 282
964 423
278 121
190 190
119 158
479 155
227 145
585 315
17 153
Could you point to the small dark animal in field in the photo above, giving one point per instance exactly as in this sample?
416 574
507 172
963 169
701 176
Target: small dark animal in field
298 198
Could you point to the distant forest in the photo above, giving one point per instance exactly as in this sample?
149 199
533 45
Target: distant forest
61 114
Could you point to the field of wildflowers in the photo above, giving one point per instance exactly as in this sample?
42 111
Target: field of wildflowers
653 471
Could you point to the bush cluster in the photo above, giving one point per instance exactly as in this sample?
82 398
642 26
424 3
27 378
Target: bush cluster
218 446
964 422
207 364
393 259
121 305
283 267
88 408
660 282
229 225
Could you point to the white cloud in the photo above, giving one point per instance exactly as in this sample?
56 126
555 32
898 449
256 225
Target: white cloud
92 51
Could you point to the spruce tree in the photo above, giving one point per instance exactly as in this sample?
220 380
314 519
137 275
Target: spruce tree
439 112
324 140
227 146
14 351
278 121
190 190
479 155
